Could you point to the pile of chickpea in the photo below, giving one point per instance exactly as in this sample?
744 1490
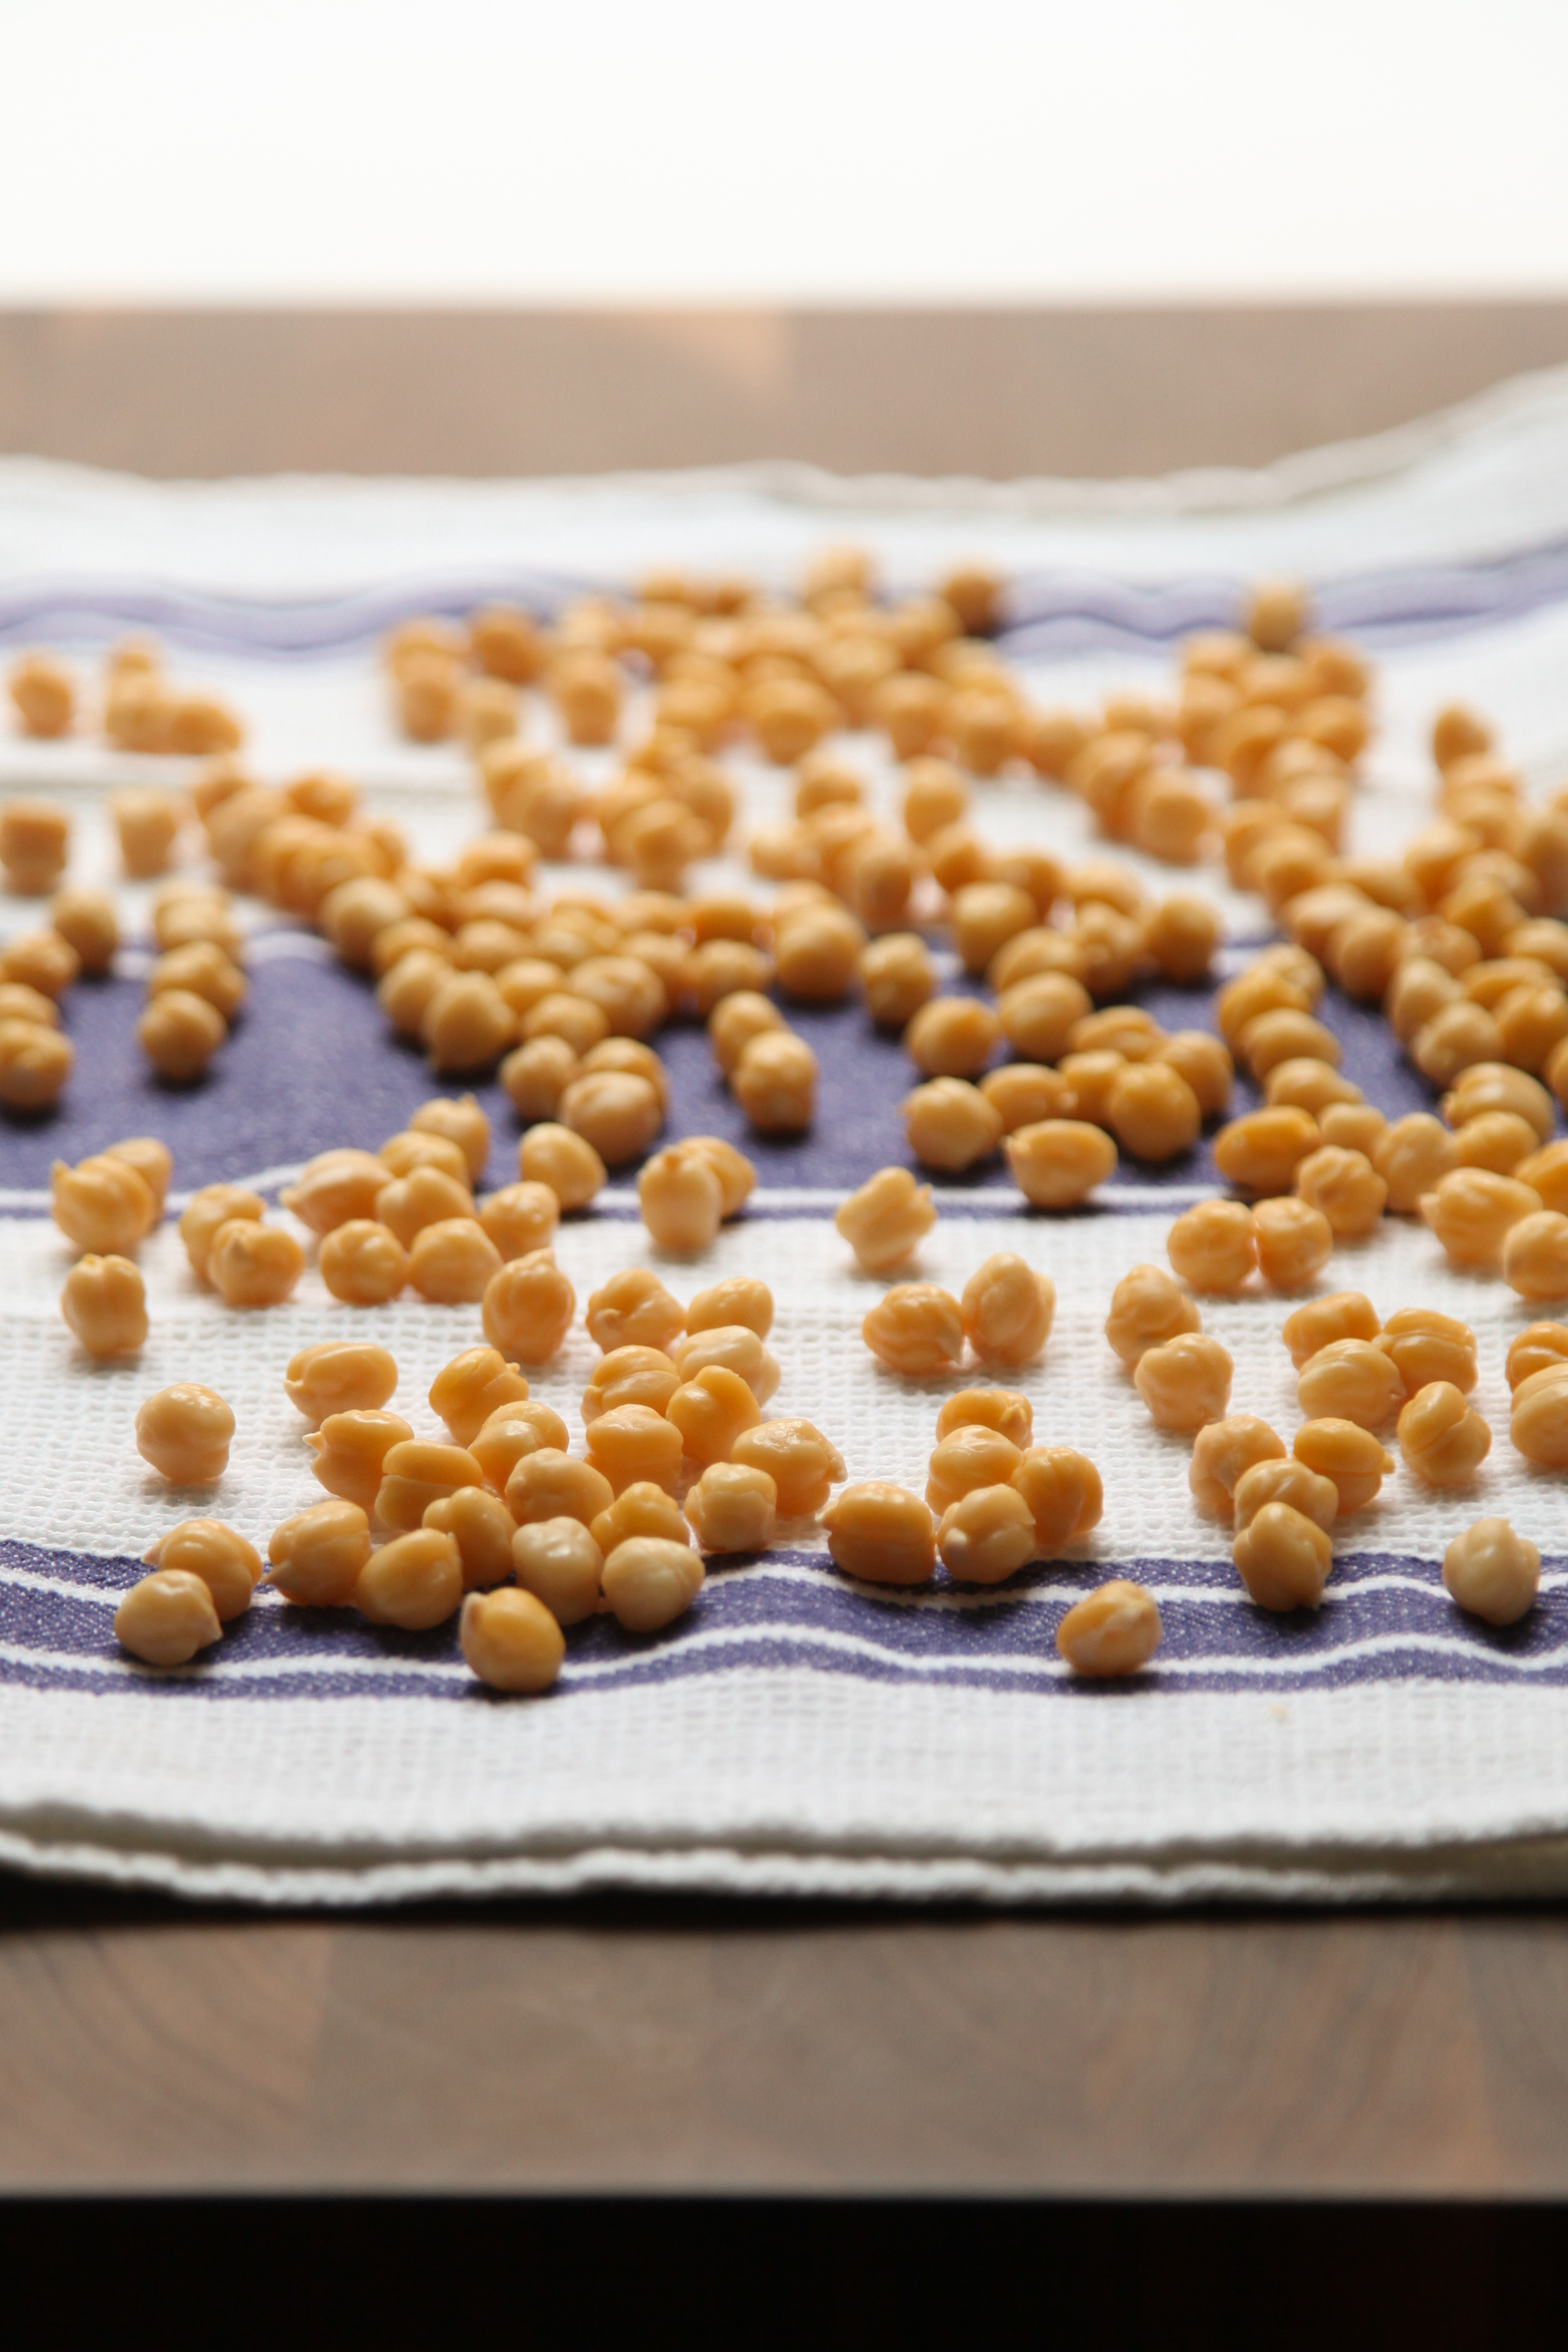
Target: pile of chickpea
1460 941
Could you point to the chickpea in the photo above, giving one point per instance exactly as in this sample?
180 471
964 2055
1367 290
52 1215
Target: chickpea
148 825
1007 1309
1222 1452
316 1555
1535 1256
881 1534
41 960
732 1509
350 1449
1348 1455
1310 1086
521 1218
1472 1211
463 1123
916 1328
511 1640
522 1426
567 1163
1546 1172
950 1124
453 1261
1183 935
1461 1035
335 1189
1007 1410
1346 1188
1492 1572
1354 1127
816 953
1351 1380
1283 1559
800 1461
339 1376
481 1525
549 1483
227 1565
735 1346
952 1036
1024 1093
735 1020
1261 987
416 1472
649 1580
1412 1156
559 1562
1539 1427
1057 1163
966 1457
252 1265
1289 1481
180 1033
167 1617
208 1211
634 1310
184 1432
102 1204
1113 1630
1203 1061
44 696
87 923
28 1007
528 1305
1147 1309
736 1174
1540 1348
711 1410
642 1508
887 1219
775 1083
477 1385
364 1263
898 977
1261 1150
742 1298
1152 1112
1443 1440
633 1445
1064 1493
630 1375
536 1076
987 1536
1426 1347
1492 1087
1040 1012
104 1302
34 838
681 1199
414 1582
407 986
1212 1245
409 1155
1294 1242
1344 1314
1184 1382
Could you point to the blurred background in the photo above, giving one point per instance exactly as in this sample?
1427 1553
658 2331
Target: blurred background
1006 236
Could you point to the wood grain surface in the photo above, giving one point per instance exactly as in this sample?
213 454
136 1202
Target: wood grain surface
644 2046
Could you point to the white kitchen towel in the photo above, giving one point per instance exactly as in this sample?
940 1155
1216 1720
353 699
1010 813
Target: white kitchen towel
795 1732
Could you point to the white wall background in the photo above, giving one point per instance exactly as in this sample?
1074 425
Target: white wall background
830 150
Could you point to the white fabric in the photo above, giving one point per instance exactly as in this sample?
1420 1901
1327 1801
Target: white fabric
762 1775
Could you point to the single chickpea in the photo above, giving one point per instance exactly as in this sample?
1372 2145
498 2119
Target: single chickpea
1538 1426
1354 1127
1007 1410
522 1426
560 1564
41 960
335 1188
228 1566
1184 1382
1113 1630
521 1218
251 1265
898 977
1546 1172
462 1122
885 1222
350 1449
1543 1346
1535 1256
1494 1086
816 953
1347 1189
635 1059
1344 1314
881 1534
147 823
1261 1150
968 1456
1058 1162
1348 1455
101 1204
567 1163
615 1111
1443 1440
987 1536
738 1348
952 1037
528 1305
1039 1014
318 1554
1183 935
1007 1309
633 1445
741 1298
916 1328
1462 1034
44 695
634 1310
34 839
1289 1481
1202 1060
453 1261
1472 1211
549 1483
735 1020
1223 1453
208 1211
1212 1245
180 1033
468 1023
481 1527
473 1386
184 1432
1351 1380
1427 1345
1064 1493
537 1075
711 1410
648 1581
681 1199
104 1302
1308 1086
630 1375
732 1509
364 1263
414 1473
511 1640
87 923
1295 1242
1147 1309
339 1376
1024 1093
1492 1572
737 1175
407 987
166 1618
950 1124
1153 1113
775 1083
642 1508
414 1582
1283 1559
802 1463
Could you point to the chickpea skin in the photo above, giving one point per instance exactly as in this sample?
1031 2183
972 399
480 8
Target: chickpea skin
1283 1559
528 1307
1223 1452
104 1302
1492 1572
1007 1310
1442 1438
316 1556
1113 1630
339 1376
1351 1458
1185 1382
1212 1245
166 1618
1146 1310
363 1262
184 1432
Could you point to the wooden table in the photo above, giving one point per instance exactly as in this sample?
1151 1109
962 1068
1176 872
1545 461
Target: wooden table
645 2046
